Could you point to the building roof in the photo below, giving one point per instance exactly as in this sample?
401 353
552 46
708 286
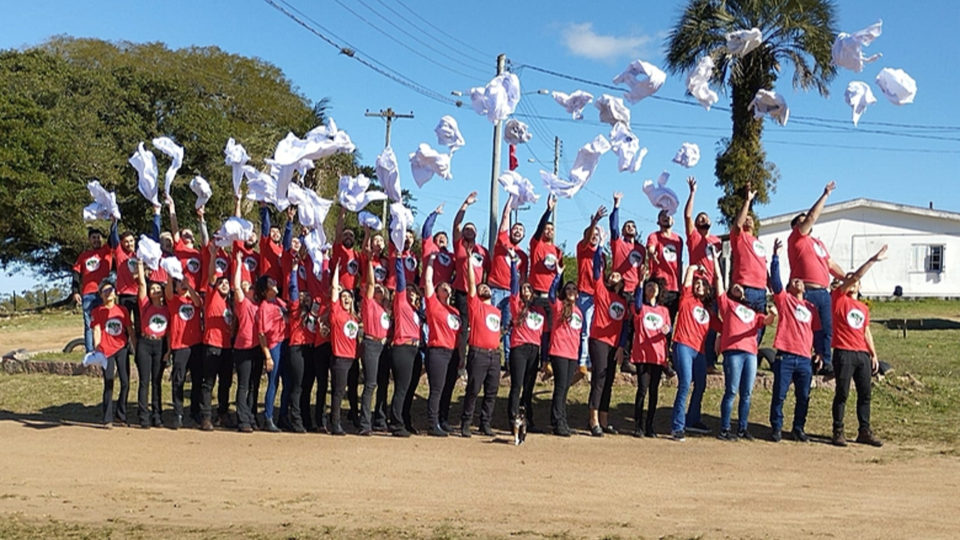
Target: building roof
867 203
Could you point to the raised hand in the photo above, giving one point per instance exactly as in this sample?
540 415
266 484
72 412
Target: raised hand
471 198
551 202
439 209
881 255
777 244
830 187
692 182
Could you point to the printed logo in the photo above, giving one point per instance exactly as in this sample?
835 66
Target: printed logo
250 263
379 273
477 259
856 318
759 249
385 320
92 263
453 322
186 312
822 253
443 258
301 273
410 263
534 321
193 265
669 253
114 327
700 315
802 314
653 321
157 324
132 265
353 266
576 322
745 314
227 316
493 322
350 329
635 258
310 323
550 261
221 265
617 311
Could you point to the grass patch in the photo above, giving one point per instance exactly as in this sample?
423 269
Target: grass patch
51 356
54 318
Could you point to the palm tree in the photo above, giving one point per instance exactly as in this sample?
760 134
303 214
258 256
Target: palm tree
798 31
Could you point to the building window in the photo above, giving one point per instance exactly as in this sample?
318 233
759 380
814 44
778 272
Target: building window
928 258
935 259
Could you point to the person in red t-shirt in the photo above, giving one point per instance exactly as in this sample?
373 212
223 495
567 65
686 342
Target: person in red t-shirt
505 250
689 335
125 264
186 347
404 353
218 328
437 243
465 248
91 268
344 328
407 256
246 349
749 259
150 355
272 242
587 247
443 321
483 360
563 350
344 255
629 253
526 322
112 332
665 258
375 315
271 331
610 310
651 328
184 248
701 247
854 353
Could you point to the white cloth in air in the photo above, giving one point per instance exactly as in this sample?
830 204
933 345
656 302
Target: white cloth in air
315 242
104 204
587 158
236 157
741 42
627 148
688 155
401 219
561 187
698 83
95 358
234 229
426 162
520 188
369 220
612 110
660 195
354 194
516 132
149 252
202 188
303 166
388 173
858 95
573 103
312 209
448 134
498 99
898 87
145 163
772 104
175 152
847 49
172 266
651 78
260 185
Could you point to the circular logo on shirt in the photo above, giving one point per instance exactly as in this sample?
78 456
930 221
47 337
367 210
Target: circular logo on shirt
802 314
114 327
92 263
385 320
534 321
301 272
700 315
759 249
443 258
227 316
379 273
453 322
653 321
221 265
493 322
550 261
250 263
353 267
477 259
744 313
635 258
157 323
132 265
710 253
186 312
310 323
856 318
669 253
350 329
818 249
576 322
193 265
617 311
410 263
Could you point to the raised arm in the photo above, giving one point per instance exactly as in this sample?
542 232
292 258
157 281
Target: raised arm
288 228
155 224
557 280
471 277
335 286
545 218
688 209
370 282
114 238
514 277
338 232
427 230
597 264
615 217
204 234
141 281
294 286
745 209
776 284
236 206
689 274
428 276
264 220
717 274
401 275
458 219
212 263
860 272
807 223
174 224
594 219
237 273
505 215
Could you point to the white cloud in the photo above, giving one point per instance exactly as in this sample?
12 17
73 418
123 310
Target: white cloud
581 40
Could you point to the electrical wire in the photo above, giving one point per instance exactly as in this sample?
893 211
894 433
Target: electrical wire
444 32
474 59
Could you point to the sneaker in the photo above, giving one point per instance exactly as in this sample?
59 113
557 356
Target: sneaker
596 431
437 431
638 433
609 429
380 427
144 425
298 428
838 438
157 422
465 430
726 435
867 437
206 425
776 436
487 431
827 372
411 429
668 372
677 436
177 422
699 428
745 435
800 436
366 432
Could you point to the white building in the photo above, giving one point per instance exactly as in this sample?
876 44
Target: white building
924 245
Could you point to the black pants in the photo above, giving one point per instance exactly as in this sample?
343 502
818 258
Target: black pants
224 380
563 369
671 300
118 365
182 359
293 379
371 358
524 364
648 380
198 354
449 383
149 360
544 303
211 365
483 371
380 414
854 365
412 389
132 303
257 361
353 379
439 362
339 374
244 360
316 369
604 370
402 365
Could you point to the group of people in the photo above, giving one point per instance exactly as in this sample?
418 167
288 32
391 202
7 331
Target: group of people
313 323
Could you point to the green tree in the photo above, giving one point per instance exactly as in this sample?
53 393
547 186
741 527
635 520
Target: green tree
798 31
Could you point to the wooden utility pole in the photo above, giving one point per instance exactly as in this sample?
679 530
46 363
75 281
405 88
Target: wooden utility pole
495 169
389 115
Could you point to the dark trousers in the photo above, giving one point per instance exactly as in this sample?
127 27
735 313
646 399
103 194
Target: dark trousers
182 359
353 379
212 357
224 380
293 379
118 365
852 365
756 299
439 362
339 373
604 370
524 364
670 300
403 361
131 302
316 370
244 360
412 389
198 354
563 369
149 360
257 361
648 382
449 383
380 413
483 371
372 351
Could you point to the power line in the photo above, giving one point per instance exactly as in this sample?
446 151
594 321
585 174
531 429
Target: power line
477 61
444 32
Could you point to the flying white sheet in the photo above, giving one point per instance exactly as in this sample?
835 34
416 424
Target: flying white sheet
627 148
145 163
612 110
741 42
104 204
426 162
498 99
898 87
651 78
698 83
858 95
448 134
175 152
768 102
847 49
202 188
236 157
573 103
520 188
688 155
516 132
660 195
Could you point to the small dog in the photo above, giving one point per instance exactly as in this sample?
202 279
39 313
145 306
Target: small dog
520 427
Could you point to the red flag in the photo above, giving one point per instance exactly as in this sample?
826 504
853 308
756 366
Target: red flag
514 163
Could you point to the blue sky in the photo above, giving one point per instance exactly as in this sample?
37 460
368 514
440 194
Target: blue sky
596 44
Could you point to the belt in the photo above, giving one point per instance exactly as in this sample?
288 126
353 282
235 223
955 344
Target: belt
152 338
410 342
813 285
381 341
484 351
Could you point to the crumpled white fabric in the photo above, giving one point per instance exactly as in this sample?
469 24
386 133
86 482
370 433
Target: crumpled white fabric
573 103
173 267
149 252
448 134
498 99
261 186
651 79
202 188
236 156
858 95
369 220
312 209
104 204
627 148
898 87
698 83
388 173
561 187
660 195
587 158
688 155
741 42
315 241
612 110
353 193
519 187
426 162
319 142
145 163
847 49
401 219
95 358
303 166
516 132
234 229
175 152
768 102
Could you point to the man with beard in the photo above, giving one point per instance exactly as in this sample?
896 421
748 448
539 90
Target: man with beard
184 246
505 250
586 250
698 239
749 260
437 243
92 267
344 255
665 255
272 242
628 252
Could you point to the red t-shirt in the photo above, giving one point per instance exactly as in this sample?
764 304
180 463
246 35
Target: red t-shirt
851 318
809 259
669 260
376 321
251 262
565 337
303 327
585 254
93 266
798 320
609 311
500 264
185 329
247 337
221 262
405 319
693 321
270 259
529 330
410 266
323 324
349 265
154 320
442 263
443 320
343 329
544 259
480 263
749 259
380 272
484 324
697 249
192 263
217 319
126 265
628 257
651 324
113 323
740 325
272 321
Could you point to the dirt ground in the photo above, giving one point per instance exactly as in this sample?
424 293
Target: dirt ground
228 484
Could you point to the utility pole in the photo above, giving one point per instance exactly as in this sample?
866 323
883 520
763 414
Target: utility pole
495 168
389 115
556 170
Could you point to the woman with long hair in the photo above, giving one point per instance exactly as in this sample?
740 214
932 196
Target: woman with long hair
218 322
374 313
246 351
564 348
112 331
651 326
443 321
526 330
154 322
303 328
404 350
185 336
344 328
271 330
689 361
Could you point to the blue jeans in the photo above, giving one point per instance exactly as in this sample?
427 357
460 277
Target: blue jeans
585 304
88 302
691 366
501 299
273 379
786 368
756 299
739 372
820 298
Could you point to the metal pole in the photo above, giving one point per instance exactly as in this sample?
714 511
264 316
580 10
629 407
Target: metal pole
389 115
495 168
